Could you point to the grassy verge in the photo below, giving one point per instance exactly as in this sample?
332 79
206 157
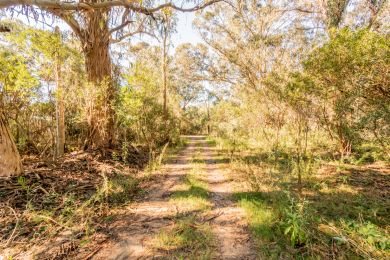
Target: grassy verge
189 237
342 212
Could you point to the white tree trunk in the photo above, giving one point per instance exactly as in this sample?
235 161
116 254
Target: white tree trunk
165 74
60 110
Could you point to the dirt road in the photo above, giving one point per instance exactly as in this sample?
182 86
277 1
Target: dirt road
133 233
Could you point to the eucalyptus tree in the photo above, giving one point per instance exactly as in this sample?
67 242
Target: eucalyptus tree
97 24
253 37
335 14
169 21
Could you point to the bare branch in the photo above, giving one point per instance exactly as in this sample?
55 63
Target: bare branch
68 19
299 10
4 28
120 27
126 35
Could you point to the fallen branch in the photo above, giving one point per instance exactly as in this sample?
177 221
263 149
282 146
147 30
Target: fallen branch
42 189
90 255
16 226
212 217
55 222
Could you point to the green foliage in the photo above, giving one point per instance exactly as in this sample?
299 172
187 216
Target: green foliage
337 208
261 218
22 182
349 72
372 235
294 223
193 121
140 110
306 166
272 217
17 83
27 75
125 151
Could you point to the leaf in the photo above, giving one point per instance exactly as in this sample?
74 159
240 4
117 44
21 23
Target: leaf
287 230
341 240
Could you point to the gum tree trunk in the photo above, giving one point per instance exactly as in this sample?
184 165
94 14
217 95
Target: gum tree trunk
10 163
60 109
96 44
165 76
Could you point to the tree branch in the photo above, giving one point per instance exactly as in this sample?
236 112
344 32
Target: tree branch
4 28
299 10
119 27
68 19
126 35
131 4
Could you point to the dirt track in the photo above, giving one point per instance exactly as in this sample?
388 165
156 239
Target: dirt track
133 233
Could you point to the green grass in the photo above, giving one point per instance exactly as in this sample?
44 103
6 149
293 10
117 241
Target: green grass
122 189
261 217
192 195
272 228
342 213
186 239
211 141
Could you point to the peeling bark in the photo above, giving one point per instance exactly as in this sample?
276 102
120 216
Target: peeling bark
10 163
96 43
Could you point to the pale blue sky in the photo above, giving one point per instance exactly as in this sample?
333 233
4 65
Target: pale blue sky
185 30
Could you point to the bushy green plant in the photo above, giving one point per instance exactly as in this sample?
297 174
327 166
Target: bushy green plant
294 223
371 234
349 72
141 111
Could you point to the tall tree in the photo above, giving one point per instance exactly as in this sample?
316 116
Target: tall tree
60 109
168 25
97 24
10 162
167 28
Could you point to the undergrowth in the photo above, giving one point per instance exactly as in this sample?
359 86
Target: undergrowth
340 214
77 200
70 211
